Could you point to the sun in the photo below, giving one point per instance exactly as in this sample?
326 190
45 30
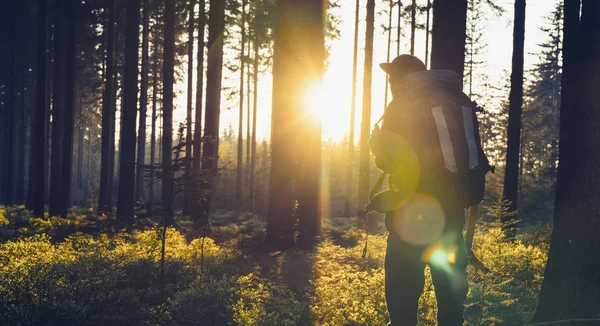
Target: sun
325 103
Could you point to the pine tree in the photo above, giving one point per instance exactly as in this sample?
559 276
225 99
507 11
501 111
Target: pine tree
187 192
141 149
167 116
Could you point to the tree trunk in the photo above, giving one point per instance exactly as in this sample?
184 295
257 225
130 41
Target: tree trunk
9 118
125 205
187 192
69 110
167 137
427 34
399 28
310 201
108 115
389 46
249 175
153 128
58 103
254 112
365 128
141 146
449 35
210 153
197 194
571 283
240 144
511 174
413 26
36 166
350 163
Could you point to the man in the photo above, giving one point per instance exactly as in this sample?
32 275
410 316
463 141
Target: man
418 147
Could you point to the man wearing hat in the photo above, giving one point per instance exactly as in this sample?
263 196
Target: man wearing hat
423 216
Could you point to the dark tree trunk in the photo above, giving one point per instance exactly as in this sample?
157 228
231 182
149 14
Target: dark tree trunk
571 282
69 110
427 34
210 153
365 127
197 190
9 107
399 27
389 48
413 26
36 166
58 103
125 205
167 118
240 144
141 146
284 120
187 193
449 35
108 115
252 187
153 128
350 164
511 174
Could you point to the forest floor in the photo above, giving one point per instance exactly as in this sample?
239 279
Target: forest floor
79 270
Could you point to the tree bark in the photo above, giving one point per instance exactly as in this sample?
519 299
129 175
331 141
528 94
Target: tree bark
389 47
125 205
365 128
449 35
141 146
196 208
571 281
9 118
350 164
187 192
240 144
210 153
427 34
153 127
511 174
413 26
399 28
36 166
108 115
167 117
254 112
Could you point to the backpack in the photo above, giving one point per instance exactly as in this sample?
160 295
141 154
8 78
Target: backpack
444 132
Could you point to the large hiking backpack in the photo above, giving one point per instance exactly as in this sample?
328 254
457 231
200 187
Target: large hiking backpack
444 131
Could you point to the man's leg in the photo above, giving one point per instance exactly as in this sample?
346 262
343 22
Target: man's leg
404 281
450 285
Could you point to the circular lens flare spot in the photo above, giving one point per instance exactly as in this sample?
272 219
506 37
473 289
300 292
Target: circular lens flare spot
420 220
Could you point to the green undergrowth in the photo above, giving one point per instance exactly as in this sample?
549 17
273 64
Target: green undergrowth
54 272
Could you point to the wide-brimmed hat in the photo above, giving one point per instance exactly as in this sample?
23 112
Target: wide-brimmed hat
403 65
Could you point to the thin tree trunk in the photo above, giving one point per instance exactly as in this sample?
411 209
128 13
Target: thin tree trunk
389 46
9 119
38 133
187 192
249 141
413 25
141 146
214 71
427 34
196 208
365 128
240 144
125 205
511 174
153 128
350 164
69 110
399 28
108 115
254 115
167 116
449 36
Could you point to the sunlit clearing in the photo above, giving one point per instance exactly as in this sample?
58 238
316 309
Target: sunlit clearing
420 220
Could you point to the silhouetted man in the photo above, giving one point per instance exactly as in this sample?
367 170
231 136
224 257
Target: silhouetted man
426 144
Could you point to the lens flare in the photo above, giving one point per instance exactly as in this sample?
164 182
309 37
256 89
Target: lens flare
420 220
